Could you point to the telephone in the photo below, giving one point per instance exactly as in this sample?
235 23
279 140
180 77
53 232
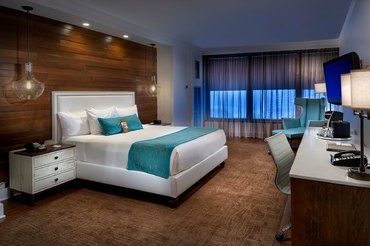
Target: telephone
349 158
157 122
32 147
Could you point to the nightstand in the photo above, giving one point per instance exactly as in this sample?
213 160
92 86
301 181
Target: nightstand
34 172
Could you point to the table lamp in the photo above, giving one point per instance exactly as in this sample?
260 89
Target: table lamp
320 88
355 94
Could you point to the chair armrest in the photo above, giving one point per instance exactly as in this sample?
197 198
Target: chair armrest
317 123
290 122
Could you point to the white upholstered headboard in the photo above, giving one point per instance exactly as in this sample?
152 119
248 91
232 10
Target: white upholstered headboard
75 101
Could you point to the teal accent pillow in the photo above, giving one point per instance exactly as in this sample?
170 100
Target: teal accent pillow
111 126
133 122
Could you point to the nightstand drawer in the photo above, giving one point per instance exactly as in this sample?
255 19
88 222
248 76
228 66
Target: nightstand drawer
54 180
53 169
53 157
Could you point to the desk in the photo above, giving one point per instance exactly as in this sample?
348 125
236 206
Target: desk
328 208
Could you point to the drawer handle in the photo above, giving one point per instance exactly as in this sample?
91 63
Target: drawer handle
56 158
56 168
56 180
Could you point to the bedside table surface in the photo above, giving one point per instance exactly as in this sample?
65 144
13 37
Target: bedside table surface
49 148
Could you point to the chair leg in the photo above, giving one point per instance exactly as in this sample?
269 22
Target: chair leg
280 235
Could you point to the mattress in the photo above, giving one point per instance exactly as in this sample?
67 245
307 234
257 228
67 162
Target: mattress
113 150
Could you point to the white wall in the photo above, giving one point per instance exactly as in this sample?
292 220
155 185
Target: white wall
165 85
355 36
182 85
175 67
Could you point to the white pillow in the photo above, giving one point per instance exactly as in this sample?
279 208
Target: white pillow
93 114
73 123
130 110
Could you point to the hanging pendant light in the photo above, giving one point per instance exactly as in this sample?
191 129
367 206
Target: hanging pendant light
28 87
153 89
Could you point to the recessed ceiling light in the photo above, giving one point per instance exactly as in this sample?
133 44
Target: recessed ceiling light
125 36
86 24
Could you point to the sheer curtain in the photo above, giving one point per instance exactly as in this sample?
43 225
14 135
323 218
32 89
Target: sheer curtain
247 95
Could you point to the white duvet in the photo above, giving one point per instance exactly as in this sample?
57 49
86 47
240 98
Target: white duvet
113 150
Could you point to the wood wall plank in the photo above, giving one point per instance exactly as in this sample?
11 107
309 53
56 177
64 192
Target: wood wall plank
65 58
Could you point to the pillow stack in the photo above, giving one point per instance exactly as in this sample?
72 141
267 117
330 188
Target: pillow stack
111 126
93 115
108 121
73 124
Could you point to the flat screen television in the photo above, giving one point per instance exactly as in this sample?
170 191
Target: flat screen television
332 71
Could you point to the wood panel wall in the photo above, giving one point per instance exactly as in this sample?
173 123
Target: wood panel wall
65 58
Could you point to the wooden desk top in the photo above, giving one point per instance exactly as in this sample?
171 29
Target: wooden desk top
312 162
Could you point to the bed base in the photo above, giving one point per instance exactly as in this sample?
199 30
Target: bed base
172 187
150 197
175 202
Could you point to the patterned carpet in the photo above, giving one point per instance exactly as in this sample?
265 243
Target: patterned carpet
240 205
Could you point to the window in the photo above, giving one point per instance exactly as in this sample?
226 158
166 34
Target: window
273 104
197 107
312 94
267 104
228 104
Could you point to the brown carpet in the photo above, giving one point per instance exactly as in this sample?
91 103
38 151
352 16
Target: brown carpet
240 205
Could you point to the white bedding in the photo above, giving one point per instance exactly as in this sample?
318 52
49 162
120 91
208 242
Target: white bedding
113 150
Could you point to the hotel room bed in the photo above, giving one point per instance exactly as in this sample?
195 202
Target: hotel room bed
104 159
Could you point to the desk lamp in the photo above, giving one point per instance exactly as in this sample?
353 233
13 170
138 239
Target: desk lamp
355 94
321 88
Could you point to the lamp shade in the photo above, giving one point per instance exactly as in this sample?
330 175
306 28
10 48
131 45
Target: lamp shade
320 88
346 89
360 89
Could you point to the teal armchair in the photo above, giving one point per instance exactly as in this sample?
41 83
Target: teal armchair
312 114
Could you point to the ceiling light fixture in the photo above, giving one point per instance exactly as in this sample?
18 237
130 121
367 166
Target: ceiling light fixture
86 24
125 36
28 87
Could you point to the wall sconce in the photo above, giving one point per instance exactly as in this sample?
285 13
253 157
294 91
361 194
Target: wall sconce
28 87
356 88
153 89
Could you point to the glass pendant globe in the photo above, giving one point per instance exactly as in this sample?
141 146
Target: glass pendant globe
28 87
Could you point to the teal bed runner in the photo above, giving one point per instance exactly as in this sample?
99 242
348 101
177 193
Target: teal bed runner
153 155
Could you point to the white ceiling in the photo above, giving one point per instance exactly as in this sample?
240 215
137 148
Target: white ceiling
207 24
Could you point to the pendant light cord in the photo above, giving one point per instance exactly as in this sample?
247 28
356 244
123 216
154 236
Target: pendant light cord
28 9
154 74
28 34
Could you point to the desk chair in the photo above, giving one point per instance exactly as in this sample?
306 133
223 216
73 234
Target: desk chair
313 109
283 156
